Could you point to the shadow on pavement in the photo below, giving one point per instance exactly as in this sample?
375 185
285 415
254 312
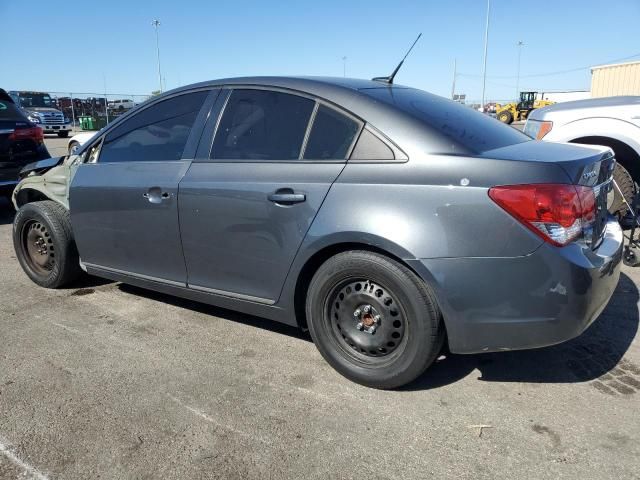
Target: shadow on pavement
243 318
6 211
597 354
591 356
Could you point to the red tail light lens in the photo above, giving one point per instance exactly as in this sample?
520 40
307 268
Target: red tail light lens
32 133
556 212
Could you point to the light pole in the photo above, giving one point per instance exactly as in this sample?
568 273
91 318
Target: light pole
344 66
484 62
520 44
156 24
455 74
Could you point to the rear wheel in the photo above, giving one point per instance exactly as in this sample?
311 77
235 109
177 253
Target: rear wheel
44 244
373 319
625 183
505 117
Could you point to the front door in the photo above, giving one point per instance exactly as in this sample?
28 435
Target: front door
246 207
124 198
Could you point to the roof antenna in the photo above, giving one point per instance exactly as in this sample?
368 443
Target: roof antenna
390 78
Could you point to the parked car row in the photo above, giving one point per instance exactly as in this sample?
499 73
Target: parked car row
340 206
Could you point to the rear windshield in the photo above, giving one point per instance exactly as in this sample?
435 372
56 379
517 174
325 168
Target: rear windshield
471 130
9 111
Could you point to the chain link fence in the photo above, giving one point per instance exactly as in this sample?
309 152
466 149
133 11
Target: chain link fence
92 111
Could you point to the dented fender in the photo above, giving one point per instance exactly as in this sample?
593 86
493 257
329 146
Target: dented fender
51 181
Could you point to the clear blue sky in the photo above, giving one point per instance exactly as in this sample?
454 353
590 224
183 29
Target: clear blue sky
202 40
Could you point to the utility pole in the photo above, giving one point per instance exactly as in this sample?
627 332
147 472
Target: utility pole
520 44
484 62
344 66
106 103
73 113
156 24
455 74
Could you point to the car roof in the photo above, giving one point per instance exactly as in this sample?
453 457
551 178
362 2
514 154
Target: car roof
593 103
334 89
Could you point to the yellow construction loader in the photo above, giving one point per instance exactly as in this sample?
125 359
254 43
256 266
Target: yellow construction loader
519 111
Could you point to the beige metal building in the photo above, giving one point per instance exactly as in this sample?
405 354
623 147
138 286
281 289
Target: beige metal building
615 79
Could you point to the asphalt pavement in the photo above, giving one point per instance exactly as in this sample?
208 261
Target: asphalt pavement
104 380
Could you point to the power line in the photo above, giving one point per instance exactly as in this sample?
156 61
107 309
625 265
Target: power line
558 72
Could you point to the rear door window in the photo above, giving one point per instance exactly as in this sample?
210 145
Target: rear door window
262 125
332 135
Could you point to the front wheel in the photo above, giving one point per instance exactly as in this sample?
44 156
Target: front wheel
505 117
44 244
373 320
73 147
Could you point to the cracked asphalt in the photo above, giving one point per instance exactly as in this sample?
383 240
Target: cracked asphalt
105 380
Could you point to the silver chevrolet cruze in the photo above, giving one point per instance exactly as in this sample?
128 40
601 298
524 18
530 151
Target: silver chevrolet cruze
383 219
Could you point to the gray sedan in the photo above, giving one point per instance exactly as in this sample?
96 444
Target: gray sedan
383 219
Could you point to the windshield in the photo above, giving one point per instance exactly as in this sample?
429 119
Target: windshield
471 130
35 100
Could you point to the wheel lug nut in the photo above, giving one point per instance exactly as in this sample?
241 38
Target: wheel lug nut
376 319
357 313
372 329
360 326
367 309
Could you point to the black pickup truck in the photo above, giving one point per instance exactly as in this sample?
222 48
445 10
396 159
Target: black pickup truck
21 143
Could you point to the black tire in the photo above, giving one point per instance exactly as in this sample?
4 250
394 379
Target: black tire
408 340
505 117
72 145
625 183
64 134
46 227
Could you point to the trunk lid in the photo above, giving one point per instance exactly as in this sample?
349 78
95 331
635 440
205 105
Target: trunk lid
589 166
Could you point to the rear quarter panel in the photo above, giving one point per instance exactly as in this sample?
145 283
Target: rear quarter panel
433 207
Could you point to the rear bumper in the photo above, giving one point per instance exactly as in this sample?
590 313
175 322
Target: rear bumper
7 186
547 297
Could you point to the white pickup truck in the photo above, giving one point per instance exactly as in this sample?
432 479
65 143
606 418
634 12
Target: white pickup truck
610 121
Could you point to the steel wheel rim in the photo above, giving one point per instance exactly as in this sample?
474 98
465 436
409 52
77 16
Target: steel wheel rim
38 248
375 334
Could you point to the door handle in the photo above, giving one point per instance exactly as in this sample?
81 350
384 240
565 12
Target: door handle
286 196
156 195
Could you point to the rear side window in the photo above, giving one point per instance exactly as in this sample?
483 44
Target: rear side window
370 147
262 125
331 135
157 133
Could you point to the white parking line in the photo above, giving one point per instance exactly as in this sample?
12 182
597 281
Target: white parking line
68 329
209 419
30 471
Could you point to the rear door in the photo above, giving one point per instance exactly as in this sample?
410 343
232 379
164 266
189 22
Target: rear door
248 200
123 199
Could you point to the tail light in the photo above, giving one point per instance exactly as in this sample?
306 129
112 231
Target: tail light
558 213
31 133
